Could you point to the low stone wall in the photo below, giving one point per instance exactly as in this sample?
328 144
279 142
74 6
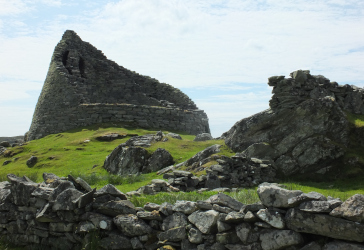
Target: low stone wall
189 121
67 214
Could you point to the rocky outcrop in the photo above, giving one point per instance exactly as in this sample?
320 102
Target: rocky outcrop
306 130
61 215
131 157
83 88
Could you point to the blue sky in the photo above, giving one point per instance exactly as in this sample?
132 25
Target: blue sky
219 52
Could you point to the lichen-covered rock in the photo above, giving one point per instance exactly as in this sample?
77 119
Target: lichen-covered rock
160 158
305 128
111 190
272 195
325 225
126 160
203 154
174 220
174 135
352 209
32 161
186 207
225 200
131 225
173 234
21 189
115 241
279 239
273 218
114 208
206 221
315 206
339 245
66 200
195 236
203 137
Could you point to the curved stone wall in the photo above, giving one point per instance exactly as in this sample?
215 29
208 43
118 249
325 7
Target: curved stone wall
79 75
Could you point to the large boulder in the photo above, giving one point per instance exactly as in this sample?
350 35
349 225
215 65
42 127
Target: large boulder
301 133
128 160
161 158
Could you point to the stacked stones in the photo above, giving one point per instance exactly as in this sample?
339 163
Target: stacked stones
289 92
83 88
68 214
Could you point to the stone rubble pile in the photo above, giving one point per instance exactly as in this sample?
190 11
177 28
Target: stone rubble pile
66 213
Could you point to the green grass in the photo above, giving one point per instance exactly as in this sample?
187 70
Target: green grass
357 120
68 153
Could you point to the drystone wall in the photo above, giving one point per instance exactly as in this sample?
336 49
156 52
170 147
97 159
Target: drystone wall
83 87
68 214
289 92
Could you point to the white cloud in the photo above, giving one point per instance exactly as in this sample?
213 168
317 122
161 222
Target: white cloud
13 7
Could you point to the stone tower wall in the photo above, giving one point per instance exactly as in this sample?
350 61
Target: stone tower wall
83 87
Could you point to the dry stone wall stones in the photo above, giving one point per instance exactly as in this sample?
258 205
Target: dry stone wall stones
338 245
273 196
225 200
66 200
131 225
111 190
325 225
273 218
206 221
114 208
279 239
352 209
203 154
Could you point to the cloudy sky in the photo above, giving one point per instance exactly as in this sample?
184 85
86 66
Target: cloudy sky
219 52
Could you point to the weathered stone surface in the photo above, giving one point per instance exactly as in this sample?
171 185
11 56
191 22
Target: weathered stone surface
32 161
150 206
174 135
154 215
166 208
254 246
61 227
273 196
225 200
203 137
77 73
203 154
234 217
339 245
312 246
243 231
174 220
130 225
305 128
61 186
173 234
114 208
115 242
295 201
206 222
212 181
195 236
42 192
279 239
352 209
273 218
110 137
325 225
160 158
21 189
66 200
126 160
49 178
227 237
315 206
111 190
186 207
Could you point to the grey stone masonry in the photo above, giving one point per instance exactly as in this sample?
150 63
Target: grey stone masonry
83 87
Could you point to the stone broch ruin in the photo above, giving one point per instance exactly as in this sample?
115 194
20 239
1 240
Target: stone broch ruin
83 87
